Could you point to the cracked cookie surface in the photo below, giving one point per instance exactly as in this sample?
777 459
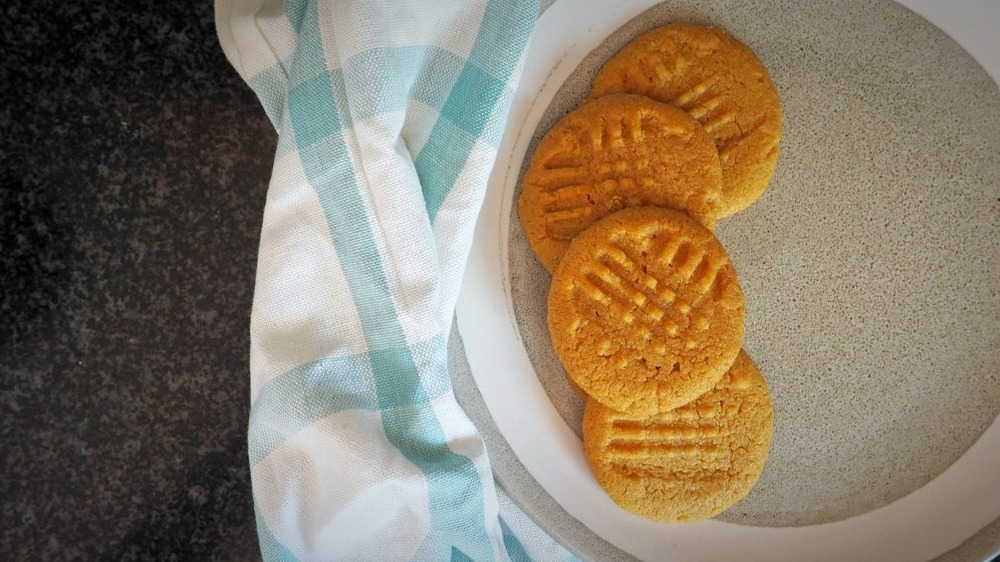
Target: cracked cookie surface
645 310
689 463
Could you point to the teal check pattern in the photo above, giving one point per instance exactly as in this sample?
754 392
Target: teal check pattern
389 116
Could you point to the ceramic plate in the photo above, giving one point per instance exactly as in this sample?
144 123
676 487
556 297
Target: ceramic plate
871 268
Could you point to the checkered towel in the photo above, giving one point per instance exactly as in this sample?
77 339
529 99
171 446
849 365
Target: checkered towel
389 115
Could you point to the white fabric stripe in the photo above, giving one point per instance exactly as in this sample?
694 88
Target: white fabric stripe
231 15
242 41
536 543
387 180
464 439
417 126
299 282
367 502
515 77
403 23
328 39
501 109
453 225
276 30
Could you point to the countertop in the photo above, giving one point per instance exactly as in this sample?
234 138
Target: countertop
133 169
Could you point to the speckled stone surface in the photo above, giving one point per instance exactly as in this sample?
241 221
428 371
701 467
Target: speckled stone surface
133 169
871 266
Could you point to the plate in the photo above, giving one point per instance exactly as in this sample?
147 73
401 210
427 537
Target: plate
872 273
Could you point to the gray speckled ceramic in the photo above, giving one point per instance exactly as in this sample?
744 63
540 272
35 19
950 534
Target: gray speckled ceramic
870 266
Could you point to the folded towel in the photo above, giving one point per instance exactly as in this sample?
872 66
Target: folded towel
389 115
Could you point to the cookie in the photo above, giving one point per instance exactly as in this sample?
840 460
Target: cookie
689 463
615 152
722 84
645 310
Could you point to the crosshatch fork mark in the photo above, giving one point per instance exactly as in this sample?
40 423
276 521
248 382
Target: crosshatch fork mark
626 267
568 197
666 448
553 179
668 247
565 224
626 302
727 145
690 262
700 443
611 133
631 470
698 266
689 98
643 294
632 295
715 123
683 458
654 70
619 300
705 109
664 431
690 413
707 275
561 160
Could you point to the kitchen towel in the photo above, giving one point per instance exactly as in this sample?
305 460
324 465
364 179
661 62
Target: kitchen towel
389 115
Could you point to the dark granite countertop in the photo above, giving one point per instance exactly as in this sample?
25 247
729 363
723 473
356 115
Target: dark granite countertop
133 168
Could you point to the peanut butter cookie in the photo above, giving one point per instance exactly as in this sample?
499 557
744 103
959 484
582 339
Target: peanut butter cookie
645 310
611 153
689 463
722 84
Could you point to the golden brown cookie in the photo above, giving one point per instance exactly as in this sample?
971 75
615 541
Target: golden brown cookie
722 84
645 310
611 153
688 463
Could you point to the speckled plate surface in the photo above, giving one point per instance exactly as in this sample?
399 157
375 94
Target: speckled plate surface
872 274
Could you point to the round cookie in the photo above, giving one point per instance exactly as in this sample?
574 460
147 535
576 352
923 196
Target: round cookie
645 310
615 152
689 463
722 84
